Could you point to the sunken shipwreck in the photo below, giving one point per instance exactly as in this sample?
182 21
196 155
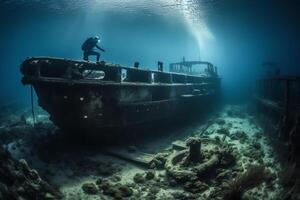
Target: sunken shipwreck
87 97
149 100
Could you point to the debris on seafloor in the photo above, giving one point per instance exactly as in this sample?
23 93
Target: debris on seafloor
202 164
115 190
194 167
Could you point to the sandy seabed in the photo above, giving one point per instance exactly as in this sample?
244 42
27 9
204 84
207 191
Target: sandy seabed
245 166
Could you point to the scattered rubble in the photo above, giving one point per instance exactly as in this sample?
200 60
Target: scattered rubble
90 188
139 178
159 161
118 190
239 135
224 131
150 175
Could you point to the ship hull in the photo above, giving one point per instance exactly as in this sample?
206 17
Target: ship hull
76 108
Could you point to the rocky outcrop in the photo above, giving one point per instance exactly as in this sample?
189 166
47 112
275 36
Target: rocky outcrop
18 181
115 190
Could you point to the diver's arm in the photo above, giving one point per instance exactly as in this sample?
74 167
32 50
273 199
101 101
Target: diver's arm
100 48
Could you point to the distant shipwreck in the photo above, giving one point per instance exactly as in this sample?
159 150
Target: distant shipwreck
87 96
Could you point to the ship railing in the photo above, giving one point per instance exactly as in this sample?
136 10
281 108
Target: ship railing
283 92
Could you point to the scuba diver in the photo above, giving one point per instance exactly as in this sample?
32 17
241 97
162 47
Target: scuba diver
88 48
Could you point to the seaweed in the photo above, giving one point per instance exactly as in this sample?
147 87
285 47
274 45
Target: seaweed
253 177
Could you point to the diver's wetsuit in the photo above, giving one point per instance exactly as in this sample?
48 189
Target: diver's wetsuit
88 48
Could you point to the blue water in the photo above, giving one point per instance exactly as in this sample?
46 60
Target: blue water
236 36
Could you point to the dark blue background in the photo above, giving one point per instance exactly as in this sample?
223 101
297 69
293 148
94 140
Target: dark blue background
246 33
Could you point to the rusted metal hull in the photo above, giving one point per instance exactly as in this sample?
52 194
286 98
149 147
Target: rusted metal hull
89 106
278 105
